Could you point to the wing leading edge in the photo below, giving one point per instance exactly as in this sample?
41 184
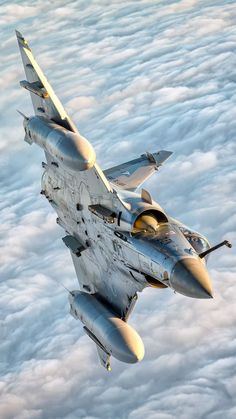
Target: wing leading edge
44 100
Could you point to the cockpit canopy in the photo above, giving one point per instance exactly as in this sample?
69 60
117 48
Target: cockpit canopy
197 240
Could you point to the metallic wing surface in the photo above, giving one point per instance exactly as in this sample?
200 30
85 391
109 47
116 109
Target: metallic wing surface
44 100
132 174
47 105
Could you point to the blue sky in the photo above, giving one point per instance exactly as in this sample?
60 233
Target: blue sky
134 77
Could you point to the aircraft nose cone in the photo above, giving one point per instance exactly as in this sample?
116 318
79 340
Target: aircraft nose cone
189 277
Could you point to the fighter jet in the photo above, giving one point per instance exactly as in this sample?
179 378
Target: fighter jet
121 240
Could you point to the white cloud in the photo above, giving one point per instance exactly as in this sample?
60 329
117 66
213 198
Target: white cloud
13 12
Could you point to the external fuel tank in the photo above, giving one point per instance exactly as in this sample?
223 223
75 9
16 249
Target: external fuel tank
113 334
69 148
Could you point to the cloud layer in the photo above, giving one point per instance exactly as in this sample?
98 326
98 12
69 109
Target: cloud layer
134 76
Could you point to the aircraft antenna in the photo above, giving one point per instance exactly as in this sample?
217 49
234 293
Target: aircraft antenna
62 285
21 113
